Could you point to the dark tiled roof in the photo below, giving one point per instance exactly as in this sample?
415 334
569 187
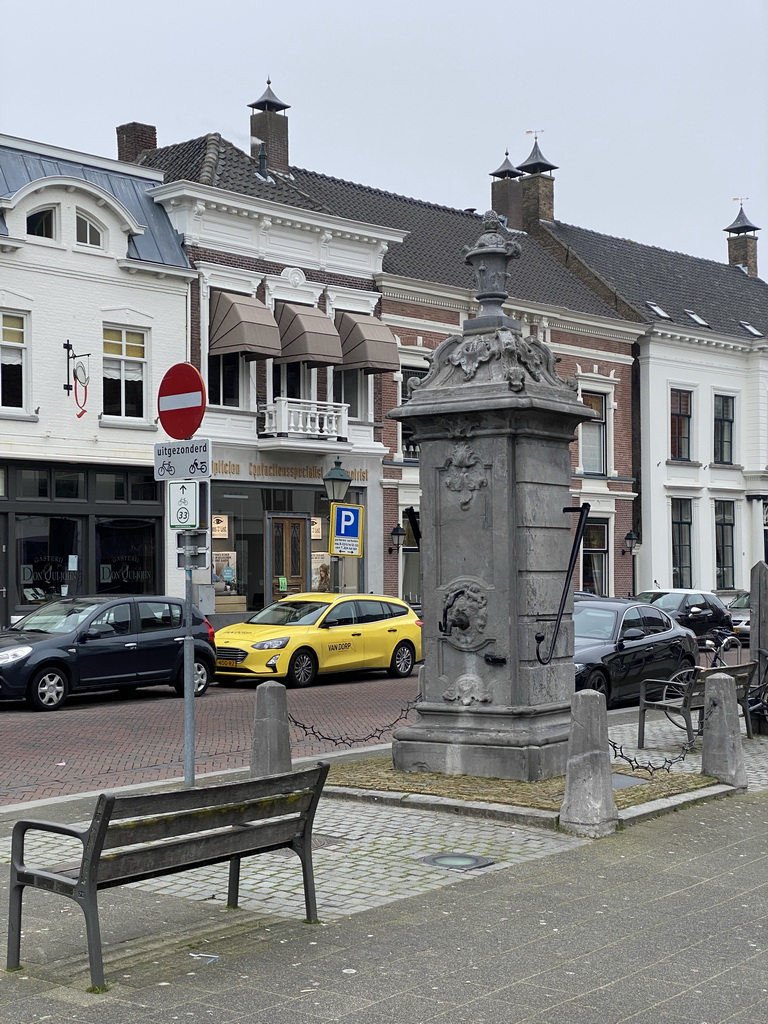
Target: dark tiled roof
158 244
432 250
211 160
723 295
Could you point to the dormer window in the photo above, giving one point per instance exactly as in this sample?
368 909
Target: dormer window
657 310
40 223
696 318
752 330
86 232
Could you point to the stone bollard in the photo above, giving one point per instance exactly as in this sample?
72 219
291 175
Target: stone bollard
722 756
271 744
588 808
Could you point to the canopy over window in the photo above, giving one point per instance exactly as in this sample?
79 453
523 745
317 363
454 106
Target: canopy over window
240 323
367 344
308 336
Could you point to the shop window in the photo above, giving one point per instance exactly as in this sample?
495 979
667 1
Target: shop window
125 556
86 231
49 556
124 369
3 482
682 518
143 487
347 388
68 484
594 559
12 359
110 487
32 483
41 223
224 379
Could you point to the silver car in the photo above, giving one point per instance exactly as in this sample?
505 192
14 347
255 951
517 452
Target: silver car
739 609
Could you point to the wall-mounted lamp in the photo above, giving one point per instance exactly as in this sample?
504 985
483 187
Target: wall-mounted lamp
629 543
337 482
397 536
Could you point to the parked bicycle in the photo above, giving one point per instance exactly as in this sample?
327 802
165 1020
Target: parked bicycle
715 644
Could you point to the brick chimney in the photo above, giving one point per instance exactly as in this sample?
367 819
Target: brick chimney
525 194
538 199
742 243
133 139
506 196
269 125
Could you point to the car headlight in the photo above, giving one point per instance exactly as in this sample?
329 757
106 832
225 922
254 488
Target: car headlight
271 645
14 654
579 668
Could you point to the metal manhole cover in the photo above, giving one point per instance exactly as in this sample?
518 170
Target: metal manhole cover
457 861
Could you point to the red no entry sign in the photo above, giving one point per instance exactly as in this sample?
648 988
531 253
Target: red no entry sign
181 401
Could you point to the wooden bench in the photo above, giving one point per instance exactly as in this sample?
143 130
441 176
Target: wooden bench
132 838
683 695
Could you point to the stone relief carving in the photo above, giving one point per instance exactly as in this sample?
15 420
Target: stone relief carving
465 615
468 689
464 473
517 357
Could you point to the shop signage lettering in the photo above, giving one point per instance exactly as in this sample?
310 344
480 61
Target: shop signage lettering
221 467
121 573
45 572
273 470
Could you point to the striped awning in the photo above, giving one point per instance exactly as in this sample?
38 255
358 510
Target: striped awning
308 336
243 324
367 344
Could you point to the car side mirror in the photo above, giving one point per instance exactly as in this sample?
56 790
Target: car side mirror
633 634
98 632
324 625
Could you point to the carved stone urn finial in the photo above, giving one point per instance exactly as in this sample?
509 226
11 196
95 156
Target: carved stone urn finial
489 258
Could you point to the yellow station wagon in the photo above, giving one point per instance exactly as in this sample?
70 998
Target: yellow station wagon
305 635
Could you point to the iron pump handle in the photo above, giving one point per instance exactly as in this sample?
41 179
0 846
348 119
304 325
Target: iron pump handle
583 511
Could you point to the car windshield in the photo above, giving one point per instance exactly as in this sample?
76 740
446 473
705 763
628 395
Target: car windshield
289 613
56 617
742 601
591 623
669 602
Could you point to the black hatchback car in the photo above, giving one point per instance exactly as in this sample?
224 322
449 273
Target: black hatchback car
618 643
699 610
77 644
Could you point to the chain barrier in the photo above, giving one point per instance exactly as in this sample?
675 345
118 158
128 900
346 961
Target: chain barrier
668 762
310 731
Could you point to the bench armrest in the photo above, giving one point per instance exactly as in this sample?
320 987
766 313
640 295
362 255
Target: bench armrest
21 828
653 684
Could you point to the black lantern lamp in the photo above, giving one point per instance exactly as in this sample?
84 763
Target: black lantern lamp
337 481
397 536
629 542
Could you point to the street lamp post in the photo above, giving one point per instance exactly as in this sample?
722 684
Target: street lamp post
336 482
630 540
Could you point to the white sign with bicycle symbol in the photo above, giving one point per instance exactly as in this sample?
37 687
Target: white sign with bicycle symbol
183 460
183 505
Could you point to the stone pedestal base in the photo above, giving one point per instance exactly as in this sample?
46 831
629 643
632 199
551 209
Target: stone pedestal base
528 746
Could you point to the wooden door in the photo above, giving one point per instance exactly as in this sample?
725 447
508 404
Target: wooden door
289 556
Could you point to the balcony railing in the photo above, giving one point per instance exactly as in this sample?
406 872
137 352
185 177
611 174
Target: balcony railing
298 417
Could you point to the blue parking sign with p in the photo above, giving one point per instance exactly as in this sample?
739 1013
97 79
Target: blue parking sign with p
346 534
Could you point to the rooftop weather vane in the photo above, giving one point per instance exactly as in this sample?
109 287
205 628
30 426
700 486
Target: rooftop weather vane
535 132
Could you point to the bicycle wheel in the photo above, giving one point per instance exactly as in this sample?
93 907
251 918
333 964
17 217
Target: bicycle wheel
674 691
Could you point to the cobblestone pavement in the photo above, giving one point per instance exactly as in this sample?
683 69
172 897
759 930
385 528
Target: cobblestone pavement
105 741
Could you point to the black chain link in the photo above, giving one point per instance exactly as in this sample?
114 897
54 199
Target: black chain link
666 764
350 741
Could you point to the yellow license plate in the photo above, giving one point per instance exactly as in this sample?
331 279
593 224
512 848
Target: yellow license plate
225 663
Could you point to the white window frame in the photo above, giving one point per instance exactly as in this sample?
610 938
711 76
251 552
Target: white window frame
600 384
243 378
22 349
126 361
718 392
407 370
362 392
56 217
92 224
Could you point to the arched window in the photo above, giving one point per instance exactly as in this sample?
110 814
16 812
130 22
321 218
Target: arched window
41 223
87 233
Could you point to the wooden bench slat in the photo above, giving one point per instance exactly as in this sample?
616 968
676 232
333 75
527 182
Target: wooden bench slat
204 819
208 796
134 865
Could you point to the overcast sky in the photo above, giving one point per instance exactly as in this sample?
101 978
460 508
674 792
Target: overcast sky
653 110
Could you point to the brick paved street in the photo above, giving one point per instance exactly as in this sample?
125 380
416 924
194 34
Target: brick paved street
108 740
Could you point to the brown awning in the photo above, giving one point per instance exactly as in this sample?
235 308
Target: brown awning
367 344
307 335
240 323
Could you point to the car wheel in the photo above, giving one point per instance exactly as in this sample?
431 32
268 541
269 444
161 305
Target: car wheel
302 668
201 675
402 661
597 680
47 689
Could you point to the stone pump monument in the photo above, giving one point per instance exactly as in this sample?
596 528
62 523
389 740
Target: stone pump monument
494 421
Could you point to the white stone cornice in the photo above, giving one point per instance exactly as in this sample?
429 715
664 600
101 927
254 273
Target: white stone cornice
409 323
9 244
216 275
425 293
351 300
709 340
159 270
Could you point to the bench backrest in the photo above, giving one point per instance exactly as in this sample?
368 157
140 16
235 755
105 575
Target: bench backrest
693 693
199 826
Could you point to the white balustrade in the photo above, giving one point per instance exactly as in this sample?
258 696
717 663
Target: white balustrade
298 417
